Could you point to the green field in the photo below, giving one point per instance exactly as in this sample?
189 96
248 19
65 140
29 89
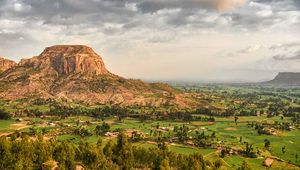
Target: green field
227 134
5 125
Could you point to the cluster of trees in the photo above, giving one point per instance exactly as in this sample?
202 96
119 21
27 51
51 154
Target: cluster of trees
27 154
249 151
274 101
296 118
64 110
102 129
268 129
85 132
82 131
211 112
202 140
181 133
227 113
123 112
98 112
282 125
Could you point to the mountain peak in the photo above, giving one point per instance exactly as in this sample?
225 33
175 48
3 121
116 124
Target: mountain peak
77 73
68 59
286 78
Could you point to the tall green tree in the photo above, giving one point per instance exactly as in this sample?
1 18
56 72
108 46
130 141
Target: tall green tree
123 153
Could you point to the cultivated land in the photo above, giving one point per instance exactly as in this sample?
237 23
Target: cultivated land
245 123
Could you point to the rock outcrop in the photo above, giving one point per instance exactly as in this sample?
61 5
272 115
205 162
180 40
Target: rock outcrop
286 79
66 60
76 73
6 64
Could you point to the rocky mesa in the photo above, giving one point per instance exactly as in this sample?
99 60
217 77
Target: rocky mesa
77 73
285 79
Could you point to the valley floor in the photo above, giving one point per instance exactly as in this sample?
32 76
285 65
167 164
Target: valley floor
228 134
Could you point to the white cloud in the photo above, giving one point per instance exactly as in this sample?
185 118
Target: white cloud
20 7
264 13
262 10
252 48
131 6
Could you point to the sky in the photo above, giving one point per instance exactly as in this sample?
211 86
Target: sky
191 40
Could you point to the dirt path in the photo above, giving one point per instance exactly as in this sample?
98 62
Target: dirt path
18 126
210 154
216 152
5 133
226 162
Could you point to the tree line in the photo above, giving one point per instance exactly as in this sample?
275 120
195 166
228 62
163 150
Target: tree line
22 154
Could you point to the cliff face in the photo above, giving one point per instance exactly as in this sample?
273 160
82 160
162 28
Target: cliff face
77 73
286 78
6 64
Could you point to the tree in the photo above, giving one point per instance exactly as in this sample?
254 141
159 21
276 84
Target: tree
249 150
267 143
6 155
42 150
217 164
202 140
213 135
100 130
92 156
223 153
162 145
4 115
245 166
182 134
283 149
135 136
164 165
122 153
108 149
236 119
64 153
83 132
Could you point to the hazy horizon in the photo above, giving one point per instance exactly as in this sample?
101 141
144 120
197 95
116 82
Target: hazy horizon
167 40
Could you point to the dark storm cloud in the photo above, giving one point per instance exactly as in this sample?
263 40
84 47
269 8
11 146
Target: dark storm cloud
131 13
294 3
262 14
285 57
68 11
150 6
112 17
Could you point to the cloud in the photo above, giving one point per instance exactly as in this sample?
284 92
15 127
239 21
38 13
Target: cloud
149 13
166 28
251 49
284 46
285 57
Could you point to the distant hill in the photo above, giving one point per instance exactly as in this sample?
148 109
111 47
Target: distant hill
285 79
77 73
6 64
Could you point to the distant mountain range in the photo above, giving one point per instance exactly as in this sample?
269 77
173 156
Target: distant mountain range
76 73
285 79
